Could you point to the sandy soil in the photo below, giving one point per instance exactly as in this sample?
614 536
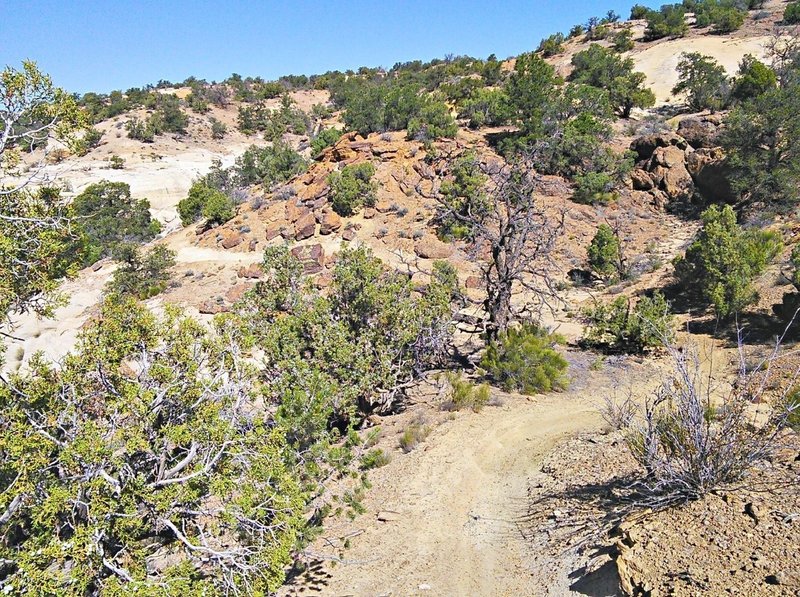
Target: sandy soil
660 61
457 504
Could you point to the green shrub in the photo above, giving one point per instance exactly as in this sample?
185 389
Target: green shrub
602 68
140 130
727 19
142 275
463 197
352 188
668 22
576 31
550 46
149 425
704 81
639 11
414 435
791 14
116 162
464 394
375 458
325 138
91 139
372 332
207 202
109 216
720 265
618 328
486 107
433 121
622 41
268 166
754 78
218 129
524 359
218 208
598 33
594 187
605 258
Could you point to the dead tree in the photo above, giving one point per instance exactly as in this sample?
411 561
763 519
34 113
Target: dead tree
514 236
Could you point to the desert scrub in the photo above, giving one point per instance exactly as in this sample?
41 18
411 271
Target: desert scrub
414 435
524 359
375 458
352 188
464 393
623 327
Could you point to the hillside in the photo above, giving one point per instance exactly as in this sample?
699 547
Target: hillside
535 492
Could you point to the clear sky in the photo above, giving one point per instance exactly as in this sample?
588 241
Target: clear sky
94 45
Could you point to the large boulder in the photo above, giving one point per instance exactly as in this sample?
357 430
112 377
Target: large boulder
669 157
700 132
646 145
711 175
305 227
430 247
330 221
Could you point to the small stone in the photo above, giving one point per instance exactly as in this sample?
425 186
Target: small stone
752 511
388 515
424 587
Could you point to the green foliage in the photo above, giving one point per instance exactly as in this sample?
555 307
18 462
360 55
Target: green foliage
325 138
413 436
639 11
465 394
563 129
268 166
605 257
721 263
90 140
668 22
110 217
464 198
524 359
486 107
352 188
576 31
351 349
595 187
530 90
32 260
791 14
618 328
116 162
218 207
552 45
274 123
762 144
603 68
703 80
218 129
375 458
151 473
207 202
37 243
753 79
140 130
167 117
727 19
433 121
142 275
622 40
598 32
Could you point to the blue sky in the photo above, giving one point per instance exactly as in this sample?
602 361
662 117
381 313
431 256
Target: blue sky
93 45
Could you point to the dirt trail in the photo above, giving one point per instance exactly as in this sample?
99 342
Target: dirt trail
458 500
